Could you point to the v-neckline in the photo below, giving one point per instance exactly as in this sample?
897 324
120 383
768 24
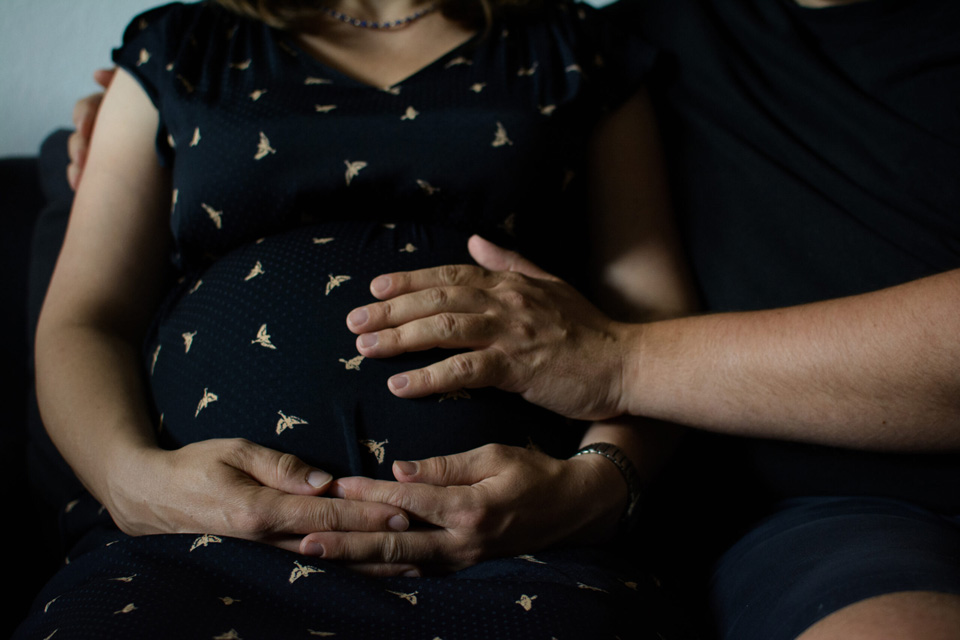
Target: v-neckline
330 69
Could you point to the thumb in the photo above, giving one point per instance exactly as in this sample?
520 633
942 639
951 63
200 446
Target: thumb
496 258
464 468
283 471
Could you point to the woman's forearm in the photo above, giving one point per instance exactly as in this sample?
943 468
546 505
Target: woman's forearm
92 401
876 371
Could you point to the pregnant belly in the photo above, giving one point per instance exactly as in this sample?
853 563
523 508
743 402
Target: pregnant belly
257 347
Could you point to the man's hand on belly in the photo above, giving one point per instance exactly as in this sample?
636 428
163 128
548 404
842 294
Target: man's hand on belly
495 501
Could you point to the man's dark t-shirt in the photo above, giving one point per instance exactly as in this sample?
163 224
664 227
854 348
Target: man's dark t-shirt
814 154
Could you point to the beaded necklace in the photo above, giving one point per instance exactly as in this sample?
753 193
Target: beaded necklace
387 24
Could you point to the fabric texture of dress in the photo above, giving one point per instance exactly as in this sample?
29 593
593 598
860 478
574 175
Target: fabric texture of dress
294 185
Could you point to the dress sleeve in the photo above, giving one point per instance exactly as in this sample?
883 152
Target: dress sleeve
148 48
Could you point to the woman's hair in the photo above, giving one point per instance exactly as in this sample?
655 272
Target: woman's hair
286 13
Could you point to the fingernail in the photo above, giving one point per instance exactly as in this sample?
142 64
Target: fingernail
411 573
398 523
358 317
407 468
312 549
368 340
317 479
380 284
399 382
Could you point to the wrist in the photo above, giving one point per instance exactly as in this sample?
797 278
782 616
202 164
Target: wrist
631 339
616 459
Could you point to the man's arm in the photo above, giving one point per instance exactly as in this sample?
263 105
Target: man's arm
875 371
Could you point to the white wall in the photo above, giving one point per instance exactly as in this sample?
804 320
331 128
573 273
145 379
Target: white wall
49 50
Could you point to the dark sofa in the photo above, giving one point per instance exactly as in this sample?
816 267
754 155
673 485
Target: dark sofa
35 205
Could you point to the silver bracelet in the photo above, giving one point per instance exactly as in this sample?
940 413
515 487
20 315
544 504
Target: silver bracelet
615 454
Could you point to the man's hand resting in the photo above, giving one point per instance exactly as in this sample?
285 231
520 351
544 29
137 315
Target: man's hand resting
526 330
494 501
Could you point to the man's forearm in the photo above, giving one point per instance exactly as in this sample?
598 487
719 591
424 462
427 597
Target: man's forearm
876 371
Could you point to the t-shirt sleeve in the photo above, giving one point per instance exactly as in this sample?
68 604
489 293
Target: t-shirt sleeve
623 60
146 52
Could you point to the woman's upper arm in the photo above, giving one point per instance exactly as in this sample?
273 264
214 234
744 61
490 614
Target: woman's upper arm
640 264
110 268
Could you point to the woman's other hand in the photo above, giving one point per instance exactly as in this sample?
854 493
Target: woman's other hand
490 502
84 117
526 330
236 488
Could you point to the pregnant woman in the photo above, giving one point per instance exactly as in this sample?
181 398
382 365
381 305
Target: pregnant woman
255 165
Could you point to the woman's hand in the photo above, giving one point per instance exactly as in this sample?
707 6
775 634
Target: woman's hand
528 332
494 501
234 488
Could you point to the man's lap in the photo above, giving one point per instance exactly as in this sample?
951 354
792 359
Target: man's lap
815 556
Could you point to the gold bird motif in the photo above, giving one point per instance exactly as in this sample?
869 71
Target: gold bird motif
427 187
241 66
477 87
263 338
334 282
125 579
389 225
353 169
548 109
256 271
394 91
229 635
530 558
528 71
263 148
196 286
408 248
376 448
322 240
256 94
216 216
460 394
188 340
509 224
156 355
315 81
169 67
460 60
324 108
581 585
144 57
500 137
173 199
410 114
130 608
186 83
196 137
409 597
227 600
353 364
629 584
205 401
71 506
171 142
526 602
46 607
573 68
205 541
288 422
302 571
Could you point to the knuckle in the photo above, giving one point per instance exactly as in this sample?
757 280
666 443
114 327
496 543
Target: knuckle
463 368
450 274
515 299
438 297
448 325
287 465
391 549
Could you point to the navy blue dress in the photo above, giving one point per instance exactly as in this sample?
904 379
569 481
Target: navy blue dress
295 185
